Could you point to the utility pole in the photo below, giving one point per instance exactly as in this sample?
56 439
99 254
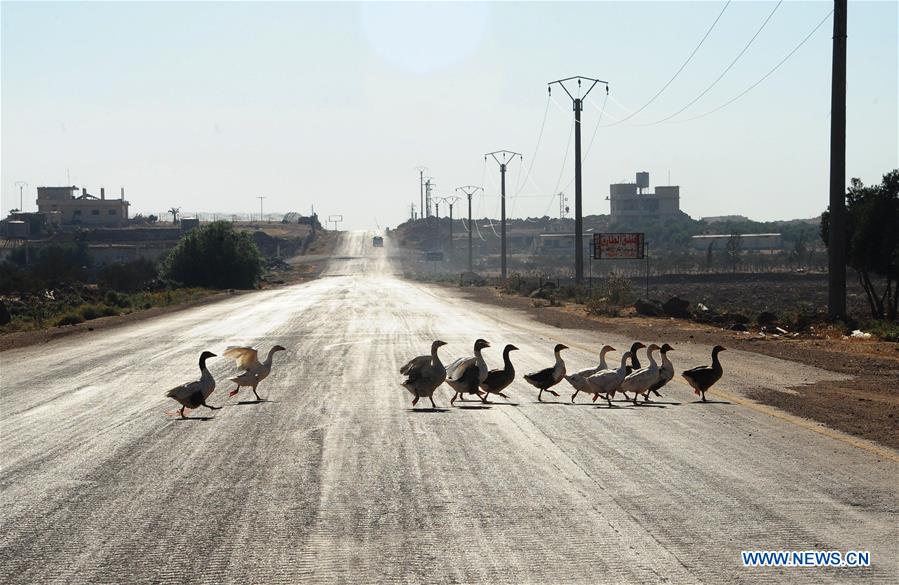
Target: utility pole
412 212
836 245
578 105
428 184
260 198
451 200
21 185
469 190
421 186
505 157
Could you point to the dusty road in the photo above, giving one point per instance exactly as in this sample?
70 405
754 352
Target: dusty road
336 480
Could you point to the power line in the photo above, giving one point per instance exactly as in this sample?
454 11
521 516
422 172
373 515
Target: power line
765 76
723 73
681 68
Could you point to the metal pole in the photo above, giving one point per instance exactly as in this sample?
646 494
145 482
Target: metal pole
836 294
578 207
421 187
647 271
451 231
469 232
21 185
502 183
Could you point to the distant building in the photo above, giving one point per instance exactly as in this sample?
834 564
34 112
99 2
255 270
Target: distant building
627 200
748 242
84 209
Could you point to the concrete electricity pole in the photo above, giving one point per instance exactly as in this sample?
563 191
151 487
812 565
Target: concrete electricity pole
21 185
505 157
428 185
578 105
260 198
469 190
451 200
421 186
836 245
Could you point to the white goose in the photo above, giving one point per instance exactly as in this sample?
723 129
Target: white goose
247 358
194 394
606 382
465 374
579 379
639 381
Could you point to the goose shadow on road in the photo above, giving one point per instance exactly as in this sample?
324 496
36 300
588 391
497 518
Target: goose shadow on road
244 402
428 410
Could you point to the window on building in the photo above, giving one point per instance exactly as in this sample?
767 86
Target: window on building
95 212
111 212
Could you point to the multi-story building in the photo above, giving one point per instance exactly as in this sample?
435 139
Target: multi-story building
84 209
628 200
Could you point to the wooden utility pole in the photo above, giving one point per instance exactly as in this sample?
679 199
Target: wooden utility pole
836 246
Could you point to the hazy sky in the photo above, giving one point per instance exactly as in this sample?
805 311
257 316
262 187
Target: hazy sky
208 105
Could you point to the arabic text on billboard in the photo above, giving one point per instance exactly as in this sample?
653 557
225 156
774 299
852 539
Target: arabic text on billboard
628 246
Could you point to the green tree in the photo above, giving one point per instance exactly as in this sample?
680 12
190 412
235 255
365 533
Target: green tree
872 237
215 256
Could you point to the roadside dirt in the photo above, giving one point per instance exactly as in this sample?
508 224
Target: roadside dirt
866 406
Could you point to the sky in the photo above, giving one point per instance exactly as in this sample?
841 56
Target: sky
207 106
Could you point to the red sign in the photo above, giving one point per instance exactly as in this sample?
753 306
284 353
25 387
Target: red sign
618 246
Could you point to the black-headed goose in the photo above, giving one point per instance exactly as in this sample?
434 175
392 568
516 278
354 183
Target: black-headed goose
549 377
704 377
194 394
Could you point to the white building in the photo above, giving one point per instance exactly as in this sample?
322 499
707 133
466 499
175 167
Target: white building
627 200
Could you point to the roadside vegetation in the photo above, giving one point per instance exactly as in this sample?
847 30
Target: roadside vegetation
58 285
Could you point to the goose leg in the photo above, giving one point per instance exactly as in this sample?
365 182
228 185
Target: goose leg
656 392
595 396
573 395
484 398
256 395
609 400
453 399
553 392
540 396
414 401
235 391
431 398
210 407
703 396
182 412
503 395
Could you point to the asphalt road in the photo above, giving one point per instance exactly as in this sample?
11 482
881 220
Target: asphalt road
335 480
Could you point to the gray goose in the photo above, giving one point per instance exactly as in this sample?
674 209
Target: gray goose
424 374
666 371
498 380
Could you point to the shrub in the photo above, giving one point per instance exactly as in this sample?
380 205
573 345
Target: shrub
69 319
116 299
89 312
215 256
129 276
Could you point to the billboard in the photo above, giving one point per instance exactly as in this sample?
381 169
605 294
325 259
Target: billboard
620 246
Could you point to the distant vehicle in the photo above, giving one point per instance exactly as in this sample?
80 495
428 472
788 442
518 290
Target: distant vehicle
377 242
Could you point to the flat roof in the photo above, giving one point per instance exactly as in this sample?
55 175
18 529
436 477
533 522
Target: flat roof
732 235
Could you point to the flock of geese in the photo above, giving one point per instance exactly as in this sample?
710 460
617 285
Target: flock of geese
470 374
193 394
